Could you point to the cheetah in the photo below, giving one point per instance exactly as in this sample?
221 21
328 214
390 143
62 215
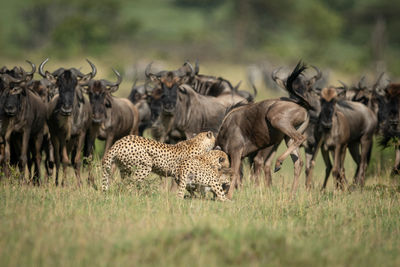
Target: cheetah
139 156
206 170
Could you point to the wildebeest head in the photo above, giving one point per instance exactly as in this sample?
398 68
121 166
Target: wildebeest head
13 93
67 81
169 82
44 88
19 72
99 92
328 102
301 84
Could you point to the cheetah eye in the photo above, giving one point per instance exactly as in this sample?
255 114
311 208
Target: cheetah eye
221 160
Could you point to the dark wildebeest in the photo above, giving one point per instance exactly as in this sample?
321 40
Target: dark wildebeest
46 90
256 126
195 113
305 87
390 121
142 99
68 116
362 123
24 120
112 117
170 126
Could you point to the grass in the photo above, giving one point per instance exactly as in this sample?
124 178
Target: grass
49 226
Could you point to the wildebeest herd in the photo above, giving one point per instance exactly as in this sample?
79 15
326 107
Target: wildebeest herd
61 115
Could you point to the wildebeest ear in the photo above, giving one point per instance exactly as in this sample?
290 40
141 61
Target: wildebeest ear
50 77
18 90
85 79
113 89
153 77
80 96
182 90
210 134
107 102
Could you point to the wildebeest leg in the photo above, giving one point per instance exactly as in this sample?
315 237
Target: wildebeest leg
24 151
337 166
258 162
109 141
298 165
56 145
78 160
65 160
38 158
355 154
311 155
366 146
297 136
236 158
328 165
396 168
267 164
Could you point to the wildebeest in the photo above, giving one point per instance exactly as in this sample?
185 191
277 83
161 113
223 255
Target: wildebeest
305 87
195 113
362 123
68 116
177 93
256 126
112 117
390 121
22 122
142 99
46 90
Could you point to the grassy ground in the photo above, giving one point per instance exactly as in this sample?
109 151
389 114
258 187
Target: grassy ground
50 226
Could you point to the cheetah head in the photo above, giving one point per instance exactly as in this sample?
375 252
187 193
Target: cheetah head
205 141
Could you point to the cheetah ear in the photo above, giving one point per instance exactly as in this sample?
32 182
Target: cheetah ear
209 134
218 148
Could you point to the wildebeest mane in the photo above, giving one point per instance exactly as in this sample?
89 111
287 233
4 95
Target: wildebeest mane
298 70
238 104
344 104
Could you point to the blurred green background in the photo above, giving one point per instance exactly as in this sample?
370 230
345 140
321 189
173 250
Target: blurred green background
351 36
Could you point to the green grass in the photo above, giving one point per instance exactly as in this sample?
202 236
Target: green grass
51 226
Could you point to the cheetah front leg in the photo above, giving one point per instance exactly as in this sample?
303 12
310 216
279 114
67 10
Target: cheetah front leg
217 189
181 186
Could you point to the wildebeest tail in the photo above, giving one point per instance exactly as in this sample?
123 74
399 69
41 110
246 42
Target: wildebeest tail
298 70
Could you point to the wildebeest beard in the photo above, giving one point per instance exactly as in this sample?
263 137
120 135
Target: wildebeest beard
169 98
66 83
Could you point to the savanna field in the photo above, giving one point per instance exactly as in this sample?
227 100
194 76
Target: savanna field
50 226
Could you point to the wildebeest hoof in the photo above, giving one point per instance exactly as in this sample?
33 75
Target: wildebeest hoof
277 168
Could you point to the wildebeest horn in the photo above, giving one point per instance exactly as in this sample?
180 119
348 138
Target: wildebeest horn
33 68
319 73
192 71
196 67
41 72
378 81
147 70
8 78
361 83
119 80
276 79
94 70
345 87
